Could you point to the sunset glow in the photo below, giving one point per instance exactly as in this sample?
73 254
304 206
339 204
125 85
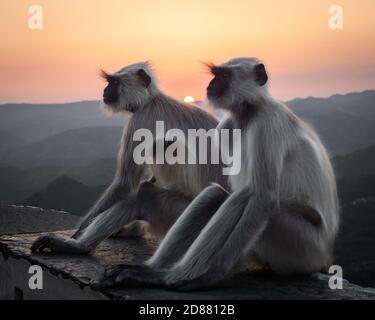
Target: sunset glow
303 56
189 99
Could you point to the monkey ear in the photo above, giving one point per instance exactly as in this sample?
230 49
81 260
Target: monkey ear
261 76
146 79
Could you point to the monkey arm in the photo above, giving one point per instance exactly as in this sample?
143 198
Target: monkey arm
126 181
108 198
103 226
58 244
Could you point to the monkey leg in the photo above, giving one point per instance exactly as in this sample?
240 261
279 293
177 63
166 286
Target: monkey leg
188 226
160 207
134 229
210 244
219 246
292 244
177 241
238 227
102 227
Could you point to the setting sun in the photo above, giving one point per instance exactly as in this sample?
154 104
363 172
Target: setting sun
189 99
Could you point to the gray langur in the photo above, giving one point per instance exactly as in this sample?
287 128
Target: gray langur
282 210
155 193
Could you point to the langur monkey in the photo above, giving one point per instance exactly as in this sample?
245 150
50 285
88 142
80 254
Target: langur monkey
281 210
155 193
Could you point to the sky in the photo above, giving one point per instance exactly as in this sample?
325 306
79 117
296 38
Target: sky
303 56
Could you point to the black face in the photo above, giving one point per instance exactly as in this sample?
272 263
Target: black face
220 83
110 94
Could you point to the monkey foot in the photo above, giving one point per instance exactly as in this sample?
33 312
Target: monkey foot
129 276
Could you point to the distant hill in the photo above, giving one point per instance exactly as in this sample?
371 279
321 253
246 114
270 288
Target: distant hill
65 194
99 172
76 147
35 122
10 141
16 184
344 122
360 162
355 174
354 249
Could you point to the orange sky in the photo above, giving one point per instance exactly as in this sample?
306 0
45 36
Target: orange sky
304 57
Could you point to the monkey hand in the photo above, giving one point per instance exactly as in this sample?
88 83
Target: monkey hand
56 244
128 276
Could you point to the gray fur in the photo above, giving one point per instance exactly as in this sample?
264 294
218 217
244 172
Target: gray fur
175 185
283 162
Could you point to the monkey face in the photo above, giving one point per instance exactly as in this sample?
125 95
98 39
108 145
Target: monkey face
128 89
111 91
237 81
219 85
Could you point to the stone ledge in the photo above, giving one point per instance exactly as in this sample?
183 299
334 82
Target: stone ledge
68 276
26 219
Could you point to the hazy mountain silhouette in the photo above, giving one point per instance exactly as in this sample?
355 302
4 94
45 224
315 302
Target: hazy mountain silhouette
10 141
355 174
38 143
344 122
360 162
35 122
75 147
99 172
65 194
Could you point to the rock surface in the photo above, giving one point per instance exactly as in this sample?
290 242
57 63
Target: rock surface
73 273
24 219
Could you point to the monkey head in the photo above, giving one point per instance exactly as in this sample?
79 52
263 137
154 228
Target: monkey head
130 88
238 81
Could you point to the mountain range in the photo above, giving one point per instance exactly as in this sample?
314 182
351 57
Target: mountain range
39 143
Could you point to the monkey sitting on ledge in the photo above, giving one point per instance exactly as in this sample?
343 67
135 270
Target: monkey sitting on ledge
127 201
283 162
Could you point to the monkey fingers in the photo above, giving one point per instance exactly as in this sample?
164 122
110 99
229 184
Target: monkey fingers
56 244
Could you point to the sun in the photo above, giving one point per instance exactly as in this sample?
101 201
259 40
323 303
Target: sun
189 99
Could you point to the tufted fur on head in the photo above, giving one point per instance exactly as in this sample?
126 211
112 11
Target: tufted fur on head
135 86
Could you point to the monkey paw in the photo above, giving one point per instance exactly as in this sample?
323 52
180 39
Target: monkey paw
55 244
126 275
185 285
176 282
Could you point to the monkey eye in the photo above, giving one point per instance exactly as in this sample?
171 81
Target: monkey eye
221 72
113 80
225 74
